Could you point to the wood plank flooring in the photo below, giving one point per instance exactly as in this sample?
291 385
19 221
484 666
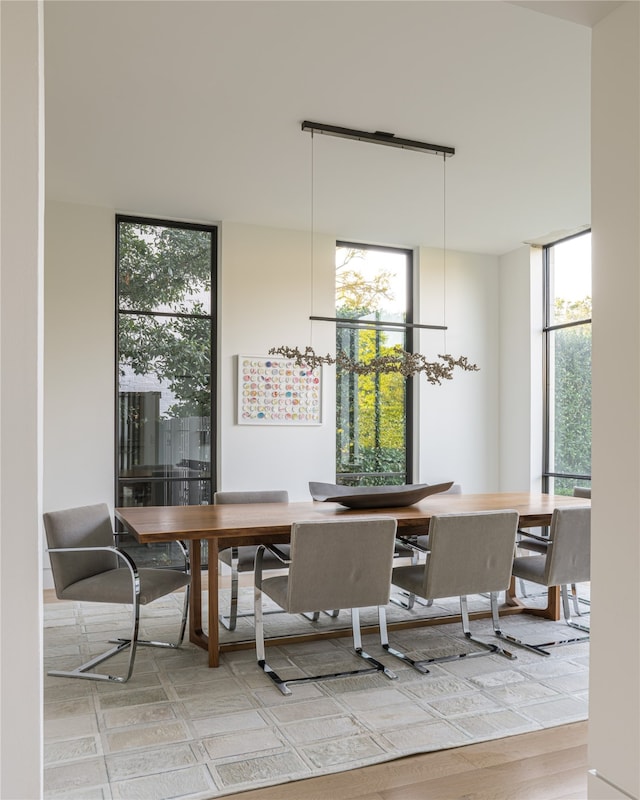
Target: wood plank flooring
544 765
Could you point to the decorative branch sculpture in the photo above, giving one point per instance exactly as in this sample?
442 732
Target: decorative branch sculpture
398 361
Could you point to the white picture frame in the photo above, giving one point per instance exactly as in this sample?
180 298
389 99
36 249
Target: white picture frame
274 391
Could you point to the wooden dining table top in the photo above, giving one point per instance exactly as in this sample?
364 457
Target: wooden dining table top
245 523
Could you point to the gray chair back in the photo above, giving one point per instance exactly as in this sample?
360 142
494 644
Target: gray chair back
582 491
569 553
340 564
86 526
470 553
268 496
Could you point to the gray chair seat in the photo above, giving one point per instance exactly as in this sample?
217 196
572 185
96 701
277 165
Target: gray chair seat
114 586
531 568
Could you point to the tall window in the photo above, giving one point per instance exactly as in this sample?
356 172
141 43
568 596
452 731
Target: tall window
373 286
165 337
567 332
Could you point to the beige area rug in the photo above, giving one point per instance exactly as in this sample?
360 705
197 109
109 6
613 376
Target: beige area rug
178 729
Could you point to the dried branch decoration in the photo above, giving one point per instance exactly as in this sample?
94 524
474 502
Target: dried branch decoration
399 361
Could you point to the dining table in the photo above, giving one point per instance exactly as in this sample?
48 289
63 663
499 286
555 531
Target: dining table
235 525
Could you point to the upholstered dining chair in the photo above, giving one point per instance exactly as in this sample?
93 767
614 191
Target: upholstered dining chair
88 567
332 564
565 561
539 544
241 559
469 553
408 599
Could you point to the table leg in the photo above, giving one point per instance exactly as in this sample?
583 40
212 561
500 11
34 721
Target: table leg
551 610
211 641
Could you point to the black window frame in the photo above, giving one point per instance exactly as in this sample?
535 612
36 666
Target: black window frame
408 344
548 327
167 223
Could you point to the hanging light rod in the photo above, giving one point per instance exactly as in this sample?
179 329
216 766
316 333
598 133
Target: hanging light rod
378 137
346 322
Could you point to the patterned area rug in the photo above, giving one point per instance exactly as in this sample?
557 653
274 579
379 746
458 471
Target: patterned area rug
178 729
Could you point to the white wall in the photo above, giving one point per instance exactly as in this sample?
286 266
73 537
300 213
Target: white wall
521 370
265 289
459 420
614 697
79 352
79 347
21 263
265 300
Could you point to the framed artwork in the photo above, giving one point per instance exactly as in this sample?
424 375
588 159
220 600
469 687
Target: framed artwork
274 391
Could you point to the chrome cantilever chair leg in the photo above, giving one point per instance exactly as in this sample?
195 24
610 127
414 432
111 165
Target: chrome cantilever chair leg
420 665
83 671
131 642
540 648
327 549
230 622
411 600
384 638
567 613
445 574
577 600
282 683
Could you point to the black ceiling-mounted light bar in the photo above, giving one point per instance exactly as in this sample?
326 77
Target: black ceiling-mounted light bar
347 322
378 137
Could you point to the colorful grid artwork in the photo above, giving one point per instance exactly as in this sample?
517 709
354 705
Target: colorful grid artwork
274 391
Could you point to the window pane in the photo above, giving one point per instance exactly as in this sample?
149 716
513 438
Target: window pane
164 269
570 400
170 355
565 486
371 410
164 399
371 284
570 280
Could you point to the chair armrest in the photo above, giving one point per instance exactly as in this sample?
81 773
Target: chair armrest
184 549
277 552
412 545
257 570
544 539
129 562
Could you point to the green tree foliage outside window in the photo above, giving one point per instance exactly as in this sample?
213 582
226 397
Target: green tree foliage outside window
166 269
571 348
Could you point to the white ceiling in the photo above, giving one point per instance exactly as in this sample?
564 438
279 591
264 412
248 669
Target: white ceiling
192 110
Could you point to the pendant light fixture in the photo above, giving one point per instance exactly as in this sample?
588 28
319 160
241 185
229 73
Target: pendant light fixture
396 360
